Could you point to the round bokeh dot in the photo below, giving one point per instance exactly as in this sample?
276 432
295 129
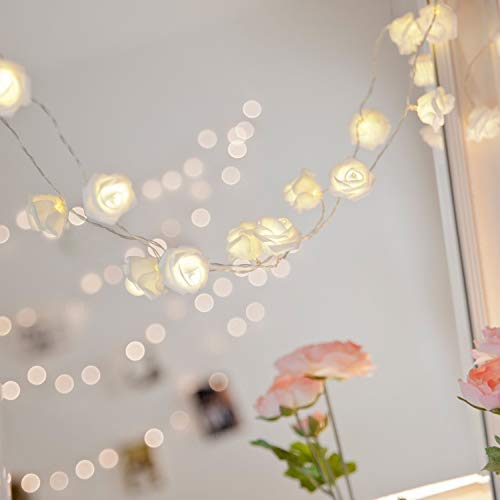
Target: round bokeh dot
37 375
231 176
4 234
91 283
171 228
135 351
155 333
108 458
255 312
5 326
258 277
282 270
172 180
252 109
84 469
154 438
74 214
64 384
59 481
201 217
11 390
237 149
193 167
222 287
204 302
237 327
30 483
207 139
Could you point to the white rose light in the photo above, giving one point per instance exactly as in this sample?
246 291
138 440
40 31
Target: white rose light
484 123
278 235
107 197
424 70
433 106
49 214
351 179
242 242
405 33
144 273
304 193
432 138
444 23
370 128
15 88
184 270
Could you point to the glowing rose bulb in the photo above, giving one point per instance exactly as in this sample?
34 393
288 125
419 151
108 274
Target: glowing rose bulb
351 179
184 270
242 242
107 197
424 70
442 21
432 138
369 129
406 34
433 106
278 236
483 123
15 88
144 274
304 193
48 214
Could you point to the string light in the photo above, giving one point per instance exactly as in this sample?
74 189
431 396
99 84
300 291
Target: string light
48 214
351 179
15 88
425 73
369 129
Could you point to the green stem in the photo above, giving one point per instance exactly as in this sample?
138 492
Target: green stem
330 473
336 435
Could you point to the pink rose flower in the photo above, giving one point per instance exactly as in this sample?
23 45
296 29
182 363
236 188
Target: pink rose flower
312 425
482 388
291 393
340 360
490 343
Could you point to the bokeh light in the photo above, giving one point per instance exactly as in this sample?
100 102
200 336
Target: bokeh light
231 176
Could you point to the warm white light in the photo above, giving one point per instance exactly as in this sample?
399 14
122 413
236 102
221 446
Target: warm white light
30 483
5 325
135 351
133 289
405 33
204 302
237 149
304 193
425 74
22 220
107 197
37 375
15 88
369 129
73 217
433 106
207 139
48 214
152 189
193 167
10 390
200 217
176 308
282 270
218 382
64 384
442 21
91 375
244 130
171 228
159 249
255 312
154 438
252 109
4 234
201 190
277 235
242 242
91 283
172 180
351 179
144 274
59 481
222 287
231 176
432 138
237 327
483 123
258 277
84 469
113 275
180 420
155 333
108 459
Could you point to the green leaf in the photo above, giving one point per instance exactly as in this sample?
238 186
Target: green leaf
336 466
496 411
470 404
303 451
497 439
493 464
308 476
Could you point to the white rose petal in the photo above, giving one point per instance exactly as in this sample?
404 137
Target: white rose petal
432 138
351 179
483 123
425 74
405 33
49 214
444 26
370 129
278 235
304 193
242 242
433 106
107 197
15 88
144 273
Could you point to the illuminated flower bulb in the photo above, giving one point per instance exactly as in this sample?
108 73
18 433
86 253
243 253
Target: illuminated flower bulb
184 270
424 70
49 214
432 138
484 123
405 33
304 193
433 106
370 128
144 273
15 88
351 179
278 235
107 197
444 23
242 242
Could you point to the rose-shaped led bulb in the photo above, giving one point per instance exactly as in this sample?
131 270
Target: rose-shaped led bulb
432 138
184 270
405 33
424 70
144 274
15 88
304 193
433 106
369 129
484 123
107 197
444 23
242 242
351 179
48 214
278 235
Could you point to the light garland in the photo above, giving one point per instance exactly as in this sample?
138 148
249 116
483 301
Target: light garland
264 244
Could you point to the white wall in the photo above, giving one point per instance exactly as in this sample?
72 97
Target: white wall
133 86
